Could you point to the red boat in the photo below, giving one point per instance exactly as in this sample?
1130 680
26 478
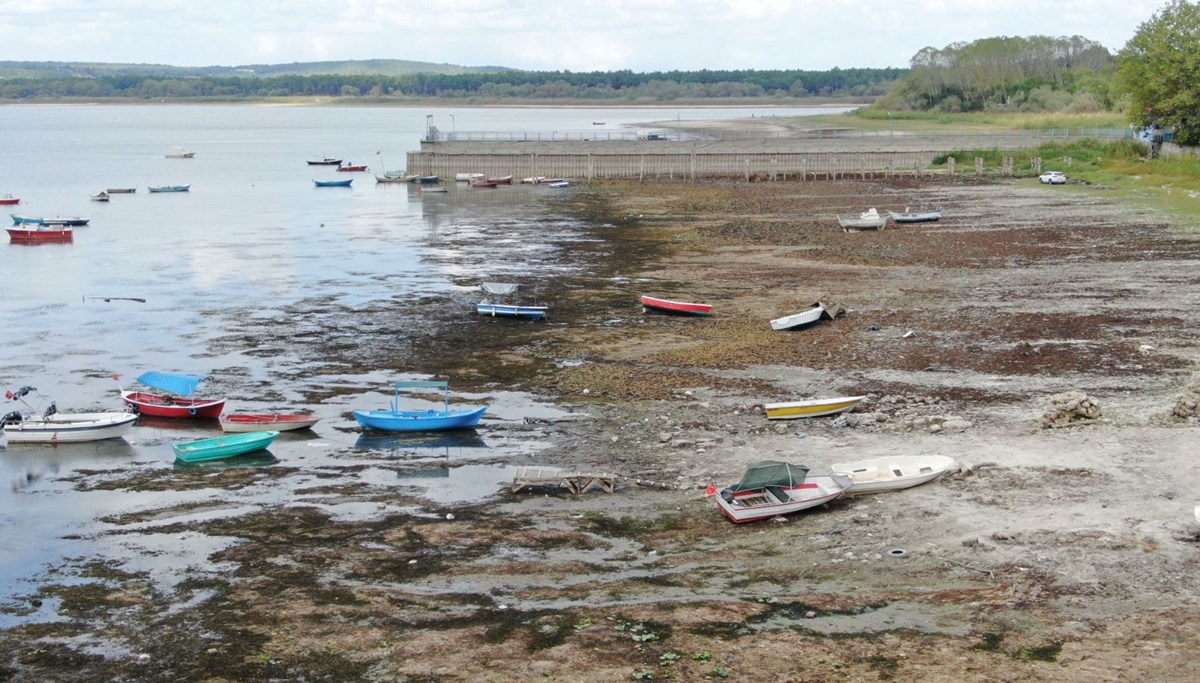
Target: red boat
9 200
37 234
263 422
353 168
652 304
499 180
159 405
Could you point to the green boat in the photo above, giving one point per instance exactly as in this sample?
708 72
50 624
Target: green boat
223 447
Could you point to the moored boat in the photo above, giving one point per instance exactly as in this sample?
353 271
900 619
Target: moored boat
222 447
325 161
387 178
9 200
870 219
468 177
169 188
101 196
265 422
396 420
67 427
772 488
893 473
425 179
33 234
651 304
180 154
813 408
333 183
435 189
506 308
908 216
69 221
352 168
120 190
175 402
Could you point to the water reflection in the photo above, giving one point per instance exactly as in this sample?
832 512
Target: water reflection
412 444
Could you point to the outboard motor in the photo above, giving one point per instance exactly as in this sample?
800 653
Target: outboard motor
11 419
50 411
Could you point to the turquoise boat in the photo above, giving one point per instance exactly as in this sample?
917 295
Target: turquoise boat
333 183
396 420
222 447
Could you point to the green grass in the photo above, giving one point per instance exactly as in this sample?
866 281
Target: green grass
872 118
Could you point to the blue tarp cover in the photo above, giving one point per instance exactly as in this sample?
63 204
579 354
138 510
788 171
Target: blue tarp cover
174 384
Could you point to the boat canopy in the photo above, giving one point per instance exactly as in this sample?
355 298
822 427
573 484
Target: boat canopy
499 288
183 385
770 473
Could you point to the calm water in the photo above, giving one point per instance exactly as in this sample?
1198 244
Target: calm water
248 245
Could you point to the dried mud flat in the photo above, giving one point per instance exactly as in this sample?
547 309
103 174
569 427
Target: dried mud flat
1067 554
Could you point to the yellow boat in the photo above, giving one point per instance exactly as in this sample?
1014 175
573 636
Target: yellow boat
814 408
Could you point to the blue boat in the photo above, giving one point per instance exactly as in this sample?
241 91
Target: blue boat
505 309
396 420
222 447
27 220
333 183
169 188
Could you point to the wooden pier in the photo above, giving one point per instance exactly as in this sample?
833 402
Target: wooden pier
573 480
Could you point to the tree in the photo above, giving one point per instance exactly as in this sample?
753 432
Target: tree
1160 70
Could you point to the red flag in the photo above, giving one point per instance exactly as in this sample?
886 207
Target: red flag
711 490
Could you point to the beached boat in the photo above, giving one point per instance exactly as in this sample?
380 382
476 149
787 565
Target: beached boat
396 420
325 161
813 408
169 188
180 154
222 447
101 196
175 401
66 427
333 183
773 488
34 234
120 190
468 177
797 320
870 219
651 304
9 200
435 189
558 184
908 216
352 168
499 179
893 473
506 308
265 422
484 183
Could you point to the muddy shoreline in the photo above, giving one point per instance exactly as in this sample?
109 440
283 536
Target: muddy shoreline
1056 554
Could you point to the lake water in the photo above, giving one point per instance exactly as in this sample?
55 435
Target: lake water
253 245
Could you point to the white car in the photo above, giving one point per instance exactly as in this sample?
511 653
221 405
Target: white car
1053 178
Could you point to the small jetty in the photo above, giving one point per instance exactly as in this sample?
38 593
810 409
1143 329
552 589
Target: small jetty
574 480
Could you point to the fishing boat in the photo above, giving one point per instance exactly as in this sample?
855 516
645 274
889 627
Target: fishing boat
325 161
101 196
333 183
507 309
772 488
9 200
870 219
396 420
20 219
222 447
352 168
65 221
174 402
55 427
798 320
893 473
120 190
265 422
651 304
169 188
814 408
180 153
35 234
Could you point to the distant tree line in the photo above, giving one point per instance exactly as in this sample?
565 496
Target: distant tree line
597 85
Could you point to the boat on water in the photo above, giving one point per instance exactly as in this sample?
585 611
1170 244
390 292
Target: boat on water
396 420
499 179
403 178
120 190
52 426
325 161
175 401
264 422
352 168
651 304
435 189
908 216
425 179
558 184
772 488
333 183
9 200
506 308
870 219
180 154
222 447
893 473
169 188
73 221
101 196
813 408
468 177
34 234
798 320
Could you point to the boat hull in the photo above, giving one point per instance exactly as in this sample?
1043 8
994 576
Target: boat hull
507 311
328 161
813 408
333 183
419 420
916 217
40 235
158 405
71 428
772 501
169 188
895 473
791 322
655 305
240 423
223 447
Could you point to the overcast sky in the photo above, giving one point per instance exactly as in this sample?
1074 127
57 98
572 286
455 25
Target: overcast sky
544 35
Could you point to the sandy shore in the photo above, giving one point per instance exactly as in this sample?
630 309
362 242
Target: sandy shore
1066 554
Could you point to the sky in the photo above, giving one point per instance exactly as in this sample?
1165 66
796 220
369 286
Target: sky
544 35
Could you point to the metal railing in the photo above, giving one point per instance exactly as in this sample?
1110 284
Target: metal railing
817 134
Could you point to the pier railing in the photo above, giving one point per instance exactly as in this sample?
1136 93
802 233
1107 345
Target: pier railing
818 134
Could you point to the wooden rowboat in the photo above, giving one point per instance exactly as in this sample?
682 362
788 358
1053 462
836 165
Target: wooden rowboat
652 304
265 422
222 447
893 473
814 408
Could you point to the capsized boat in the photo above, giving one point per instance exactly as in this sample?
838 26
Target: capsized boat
772 488
651 304
813 408
265 422
174 402
893 473
222 447
396 420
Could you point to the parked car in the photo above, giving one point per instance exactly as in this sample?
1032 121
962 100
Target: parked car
1053 178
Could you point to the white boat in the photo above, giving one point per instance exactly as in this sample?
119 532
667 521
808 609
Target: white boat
908 216
66 427
894 473
102 196
870 219
817 407
468 177
773 488
800 319
180 154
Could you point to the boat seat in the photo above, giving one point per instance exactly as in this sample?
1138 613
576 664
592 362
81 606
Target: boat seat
779 494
